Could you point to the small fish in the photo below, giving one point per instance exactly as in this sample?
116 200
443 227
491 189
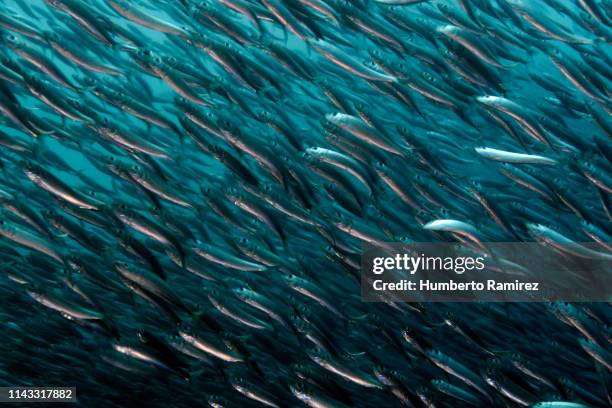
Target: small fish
512 157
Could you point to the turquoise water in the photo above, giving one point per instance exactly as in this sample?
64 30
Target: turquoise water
186 187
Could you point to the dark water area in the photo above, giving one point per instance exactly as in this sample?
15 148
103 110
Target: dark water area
186 186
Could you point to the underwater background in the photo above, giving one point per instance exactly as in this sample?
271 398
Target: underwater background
185 187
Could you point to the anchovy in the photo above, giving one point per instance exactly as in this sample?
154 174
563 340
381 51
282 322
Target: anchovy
347 62
512 157
55 186
555 239
214 350
138 16
54 303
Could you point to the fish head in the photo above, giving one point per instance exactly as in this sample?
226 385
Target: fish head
537 229
492 377
334 117
157 61
587 167
447 29
113 164
104 124
425 394
436 355
144 53
5 228
184 104
121 266
48 214
489 100
403 70
52 35
518 357
246 245
300 369
29 167
170 60
317 354
441 385
499 360
235 196
242 293
263 115
554 53
404 239
89 82
137 172
120 208
587 225
13 41
208 191
33 81
74 263
216 401
308 156
299 390
475 185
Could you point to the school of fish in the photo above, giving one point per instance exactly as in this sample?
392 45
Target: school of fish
185 187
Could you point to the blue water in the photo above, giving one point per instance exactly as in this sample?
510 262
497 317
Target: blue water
186 186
